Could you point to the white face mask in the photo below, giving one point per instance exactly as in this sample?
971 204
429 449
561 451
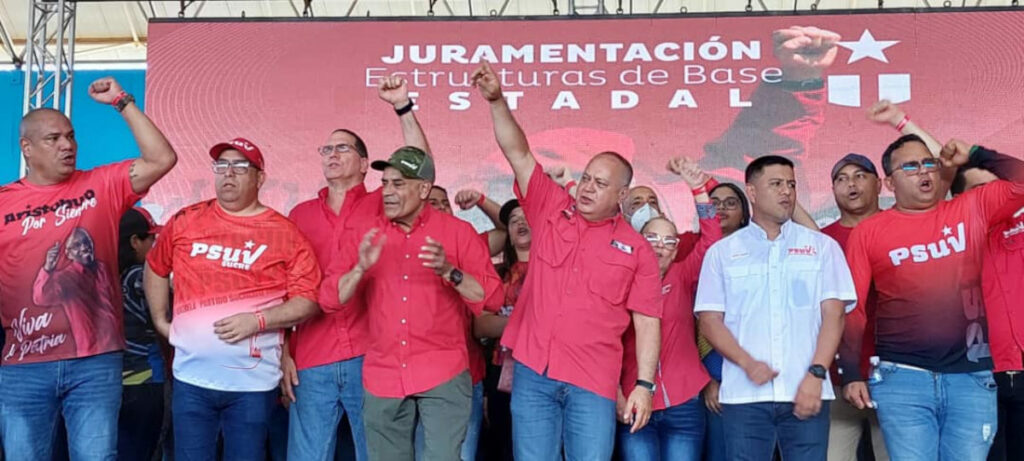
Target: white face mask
642 215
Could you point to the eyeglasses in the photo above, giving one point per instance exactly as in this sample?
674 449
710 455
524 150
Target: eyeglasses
666 241
730 203
238 167
925 165
336 149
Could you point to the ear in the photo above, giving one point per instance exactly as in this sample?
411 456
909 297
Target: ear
135 242
261 177
623 194
25 146
364 165
890 184
751 196
424 190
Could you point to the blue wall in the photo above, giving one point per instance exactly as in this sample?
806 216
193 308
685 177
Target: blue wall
102 135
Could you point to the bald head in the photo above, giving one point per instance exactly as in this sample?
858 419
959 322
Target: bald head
623 169
33 122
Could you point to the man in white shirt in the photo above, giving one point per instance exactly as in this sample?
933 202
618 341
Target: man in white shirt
771 300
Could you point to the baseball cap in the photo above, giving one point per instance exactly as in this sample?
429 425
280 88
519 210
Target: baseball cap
411 161
243 146
138 221
854 159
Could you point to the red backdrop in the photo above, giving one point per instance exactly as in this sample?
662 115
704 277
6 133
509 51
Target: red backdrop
287 85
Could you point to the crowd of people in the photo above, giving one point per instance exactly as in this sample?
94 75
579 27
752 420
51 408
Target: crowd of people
586 324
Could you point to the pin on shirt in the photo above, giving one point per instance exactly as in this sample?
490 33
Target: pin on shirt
622 247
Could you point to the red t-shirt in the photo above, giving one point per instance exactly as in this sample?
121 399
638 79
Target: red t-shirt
1001 282
74 308
841 234
341 334
225 265
585 279
926 270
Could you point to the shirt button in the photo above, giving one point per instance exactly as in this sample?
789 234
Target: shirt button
405 277
403 342
406 256
403 365
404 299
403 321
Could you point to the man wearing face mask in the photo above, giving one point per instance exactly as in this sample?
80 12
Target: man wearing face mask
641 205
417 270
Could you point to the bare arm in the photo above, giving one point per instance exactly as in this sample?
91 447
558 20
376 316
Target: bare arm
803 218
509 135
832 322
489 325
158 157
290 313
395 91
648 345
158 296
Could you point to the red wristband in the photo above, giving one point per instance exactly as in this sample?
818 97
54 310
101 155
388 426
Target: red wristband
481 201
570 184
711 183
118 98
261 320
903 123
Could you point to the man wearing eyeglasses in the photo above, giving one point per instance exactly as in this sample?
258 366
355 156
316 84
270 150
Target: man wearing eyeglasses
771 300
242 273
932 386
324 381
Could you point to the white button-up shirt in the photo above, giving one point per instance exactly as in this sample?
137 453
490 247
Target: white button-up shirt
771 294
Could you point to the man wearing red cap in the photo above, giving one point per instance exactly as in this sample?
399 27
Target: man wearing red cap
60 225
242 274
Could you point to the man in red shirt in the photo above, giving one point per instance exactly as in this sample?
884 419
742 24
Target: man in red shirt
932 385
1002 289
325 379
62 350
242 274
590 274
856 186
416 365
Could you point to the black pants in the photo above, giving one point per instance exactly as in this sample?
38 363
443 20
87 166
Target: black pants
141 419
1009 441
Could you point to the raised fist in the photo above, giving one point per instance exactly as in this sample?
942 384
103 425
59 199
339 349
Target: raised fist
804 52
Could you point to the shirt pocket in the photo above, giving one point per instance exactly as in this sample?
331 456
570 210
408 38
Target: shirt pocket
557 240
612 276
803 279
743 286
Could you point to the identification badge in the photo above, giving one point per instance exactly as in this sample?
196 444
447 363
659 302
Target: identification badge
622 247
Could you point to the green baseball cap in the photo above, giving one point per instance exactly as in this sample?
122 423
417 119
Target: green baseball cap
411 161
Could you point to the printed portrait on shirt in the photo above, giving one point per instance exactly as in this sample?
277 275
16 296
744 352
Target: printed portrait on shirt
72 279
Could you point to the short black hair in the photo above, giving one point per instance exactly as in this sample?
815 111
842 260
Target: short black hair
360 145
898 143
759 164
443 190
622 160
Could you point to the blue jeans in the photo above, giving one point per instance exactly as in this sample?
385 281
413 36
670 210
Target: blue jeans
323 395
753 429
929 416
549 415
675 433
86 391
200 414
476 417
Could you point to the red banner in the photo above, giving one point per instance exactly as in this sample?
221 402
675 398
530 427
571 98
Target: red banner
647 88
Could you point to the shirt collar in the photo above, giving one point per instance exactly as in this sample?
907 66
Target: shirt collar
760 233
421 219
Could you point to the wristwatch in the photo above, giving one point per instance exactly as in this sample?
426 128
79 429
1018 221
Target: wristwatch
406 108
818 371
646 385
455 276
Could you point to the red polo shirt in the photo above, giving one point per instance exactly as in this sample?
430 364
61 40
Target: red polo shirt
681 375
417 320
1003 291
584 279
340 335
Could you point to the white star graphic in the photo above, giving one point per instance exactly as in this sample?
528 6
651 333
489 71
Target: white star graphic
868 47
249 244
946 231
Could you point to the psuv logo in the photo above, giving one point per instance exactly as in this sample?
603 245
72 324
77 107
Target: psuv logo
231 258
945 246
845 90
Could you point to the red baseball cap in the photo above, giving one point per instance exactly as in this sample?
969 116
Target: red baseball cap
138 221
243 146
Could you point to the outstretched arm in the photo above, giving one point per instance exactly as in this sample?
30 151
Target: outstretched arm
509 135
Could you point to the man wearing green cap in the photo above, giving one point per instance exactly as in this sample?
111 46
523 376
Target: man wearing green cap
416 270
